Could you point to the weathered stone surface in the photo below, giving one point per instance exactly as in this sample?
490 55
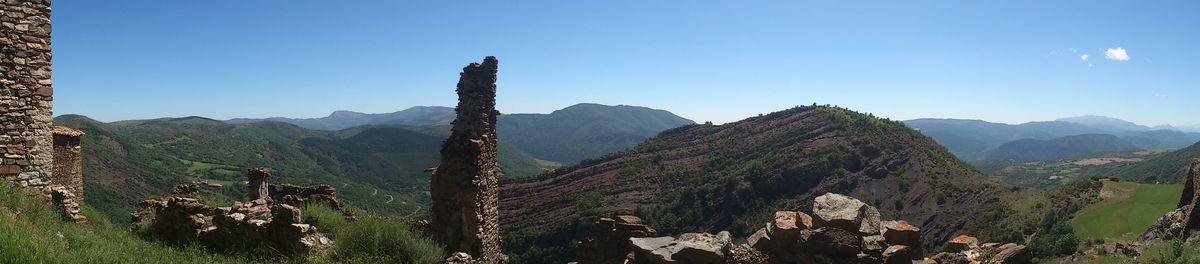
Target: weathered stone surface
831 241
846 213
787 224
874 244
950 258
1012 254
703 248
961 243
655 249
464 186
900 232
899 254
761 241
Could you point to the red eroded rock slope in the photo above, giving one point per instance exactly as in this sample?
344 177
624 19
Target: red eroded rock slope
727 177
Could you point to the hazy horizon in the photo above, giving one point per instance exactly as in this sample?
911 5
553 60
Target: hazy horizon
1009 62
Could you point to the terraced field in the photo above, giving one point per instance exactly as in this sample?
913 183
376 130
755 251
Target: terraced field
1127 209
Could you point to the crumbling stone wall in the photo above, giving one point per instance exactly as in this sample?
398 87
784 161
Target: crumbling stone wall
268 221
68 160
464 186
298 196
25 92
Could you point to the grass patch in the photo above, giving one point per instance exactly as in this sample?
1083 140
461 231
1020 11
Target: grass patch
33 231
1127 210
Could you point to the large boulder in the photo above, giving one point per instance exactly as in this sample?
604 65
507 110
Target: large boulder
846 213
787 224
689 248
702 248
656 250
1012 254
961 243
831 241
900 232
899 254
761 241
874 244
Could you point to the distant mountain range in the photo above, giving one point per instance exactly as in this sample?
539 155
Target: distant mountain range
565 136
414 116
1059 148
584 131
977 140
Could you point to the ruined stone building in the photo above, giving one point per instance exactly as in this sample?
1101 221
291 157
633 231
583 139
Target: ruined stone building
464 187
26 92
68 160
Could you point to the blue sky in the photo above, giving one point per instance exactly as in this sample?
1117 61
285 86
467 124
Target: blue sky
1004 61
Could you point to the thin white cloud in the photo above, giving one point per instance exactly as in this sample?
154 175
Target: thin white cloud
1083 57
1117 53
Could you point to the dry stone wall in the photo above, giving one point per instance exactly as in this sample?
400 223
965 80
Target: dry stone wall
26 92
68 160
464 187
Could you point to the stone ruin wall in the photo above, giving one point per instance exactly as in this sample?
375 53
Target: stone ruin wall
464 186
26 92
68 160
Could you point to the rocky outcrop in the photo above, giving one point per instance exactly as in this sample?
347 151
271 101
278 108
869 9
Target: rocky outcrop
841 228
609 241
700 248
464 187
26 93
1177 223
845 213
967 250
834 234
901 233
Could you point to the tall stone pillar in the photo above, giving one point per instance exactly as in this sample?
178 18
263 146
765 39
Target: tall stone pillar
25 92
464 187
257 179
68 160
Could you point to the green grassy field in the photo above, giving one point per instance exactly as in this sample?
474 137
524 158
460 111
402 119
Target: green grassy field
1127 209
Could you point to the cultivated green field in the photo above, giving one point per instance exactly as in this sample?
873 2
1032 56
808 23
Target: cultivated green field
1127 209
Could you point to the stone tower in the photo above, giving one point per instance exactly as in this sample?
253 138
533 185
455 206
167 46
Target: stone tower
464 187
68 160
25 92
